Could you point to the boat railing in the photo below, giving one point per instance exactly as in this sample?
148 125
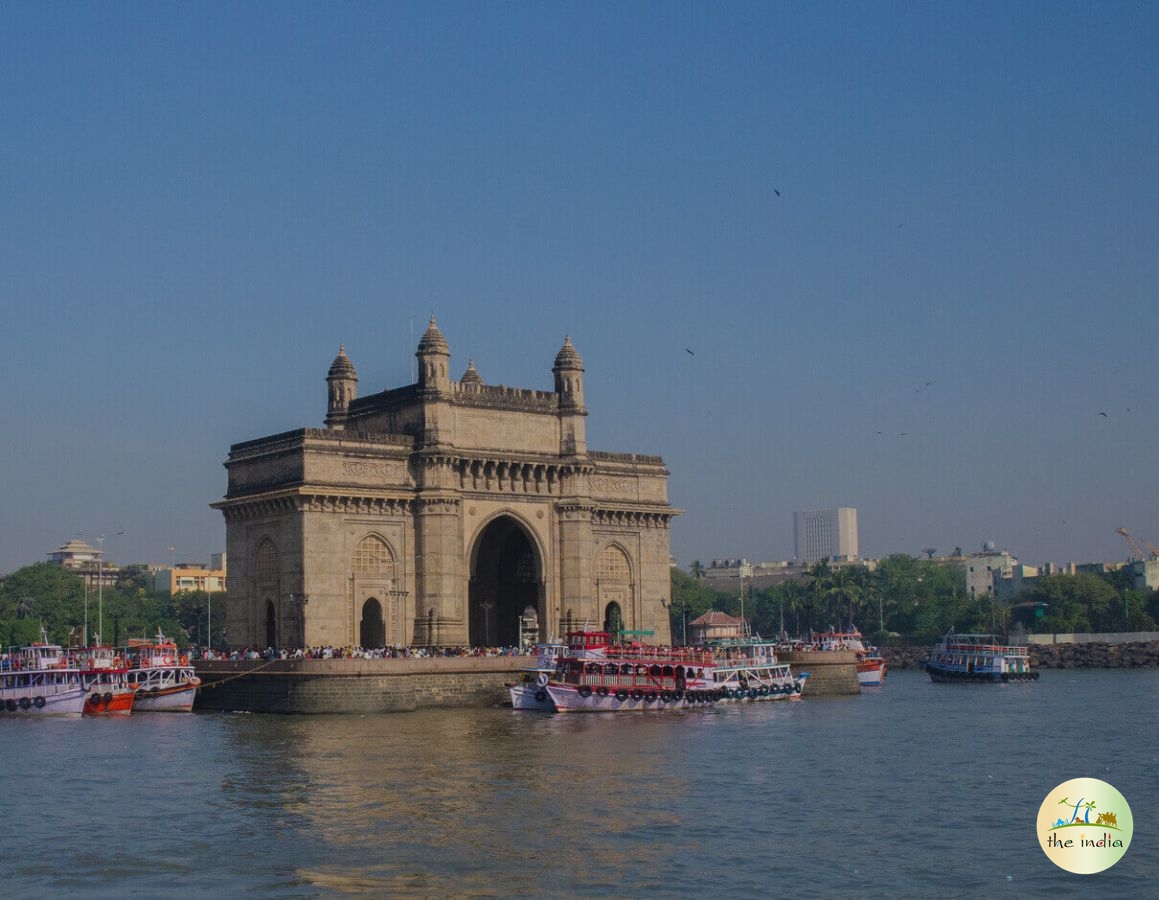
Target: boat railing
977 647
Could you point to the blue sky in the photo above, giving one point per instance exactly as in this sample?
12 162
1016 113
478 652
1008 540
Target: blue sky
200 202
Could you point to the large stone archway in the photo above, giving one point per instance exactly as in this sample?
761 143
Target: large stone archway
458 506
506 578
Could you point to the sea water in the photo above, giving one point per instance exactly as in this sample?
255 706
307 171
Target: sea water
910 790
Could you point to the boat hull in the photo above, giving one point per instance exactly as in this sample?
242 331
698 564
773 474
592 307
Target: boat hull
108 703
871 672
178 698
68 702
942 675
569 698
530 696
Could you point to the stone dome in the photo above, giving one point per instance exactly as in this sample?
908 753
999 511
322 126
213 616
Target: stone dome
433 340
471 376
342 367
568 358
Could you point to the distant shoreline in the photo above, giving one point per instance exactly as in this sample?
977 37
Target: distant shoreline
1132 655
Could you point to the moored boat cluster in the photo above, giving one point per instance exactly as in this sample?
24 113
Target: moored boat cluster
46 679
592 673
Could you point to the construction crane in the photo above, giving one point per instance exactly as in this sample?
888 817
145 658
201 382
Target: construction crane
1136 550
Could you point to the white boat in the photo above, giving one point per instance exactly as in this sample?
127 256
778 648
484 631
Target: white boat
40 679
979 658
871 670
748 669
161 676
530 691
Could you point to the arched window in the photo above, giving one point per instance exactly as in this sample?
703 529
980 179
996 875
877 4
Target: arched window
372 556
266 560
612 565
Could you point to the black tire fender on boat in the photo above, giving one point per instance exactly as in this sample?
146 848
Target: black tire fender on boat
650 696
666 696
106 698
541 696
602 691
585 691
25 703
38 703
10 705
621 695
637 695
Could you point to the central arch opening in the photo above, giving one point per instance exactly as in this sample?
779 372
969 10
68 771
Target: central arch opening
505 577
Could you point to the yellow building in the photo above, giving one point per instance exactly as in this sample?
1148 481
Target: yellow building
178 579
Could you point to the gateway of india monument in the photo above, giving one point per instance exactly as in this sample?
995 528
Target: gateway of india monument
444 513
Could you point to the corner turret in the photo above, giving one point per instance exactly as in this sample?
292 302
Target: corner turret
433 356
342 386
569 385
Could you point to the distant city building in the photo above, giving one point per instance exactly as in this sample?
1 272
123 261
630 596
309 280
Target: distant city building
825 534
85 561
983 570
189 578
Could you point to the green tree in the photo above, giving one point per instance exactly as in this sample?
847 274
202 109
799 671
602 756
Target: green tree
41 595
690 600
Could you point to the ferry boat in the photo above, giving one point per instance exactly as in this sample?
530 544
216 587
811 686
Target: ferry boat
599 676
160 676
530 691
40 679
103 674
979 658
748 669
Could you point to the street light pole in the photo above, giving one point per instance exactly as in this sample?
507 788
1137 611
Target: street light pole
100 589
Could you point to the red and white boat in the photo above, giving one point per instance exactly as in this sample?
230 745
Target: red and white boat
871 666
599 676
104 675
39 679
160 675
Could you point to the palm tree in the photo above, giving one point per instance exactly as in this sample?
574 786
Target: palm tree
696 570
819 574
792 597
842 591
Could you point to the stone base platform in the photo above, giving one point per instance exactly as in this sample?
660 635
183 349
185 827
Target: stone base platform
831 672
315 686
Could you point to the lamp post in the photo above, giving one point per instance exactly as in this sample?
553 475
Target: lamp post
88 576
299 601
101 586
208 614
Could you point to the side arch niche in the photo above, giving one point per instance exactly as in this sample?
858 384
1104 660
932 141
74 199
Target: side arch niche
377 603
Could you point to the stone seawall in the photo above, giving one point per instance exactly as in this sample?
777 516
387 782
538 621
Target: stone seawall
831 672
313 686
1134 655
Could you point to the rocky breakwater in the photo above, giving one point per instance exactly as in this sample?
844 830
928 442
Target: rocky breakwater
1133 655
1137 655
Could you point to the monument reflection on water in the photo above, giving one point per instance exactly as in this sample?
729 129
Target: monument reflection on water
424 801
916 789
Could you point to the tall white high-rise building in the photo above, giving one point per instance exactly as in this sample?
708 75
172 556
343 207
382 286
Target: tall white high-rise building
825 534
